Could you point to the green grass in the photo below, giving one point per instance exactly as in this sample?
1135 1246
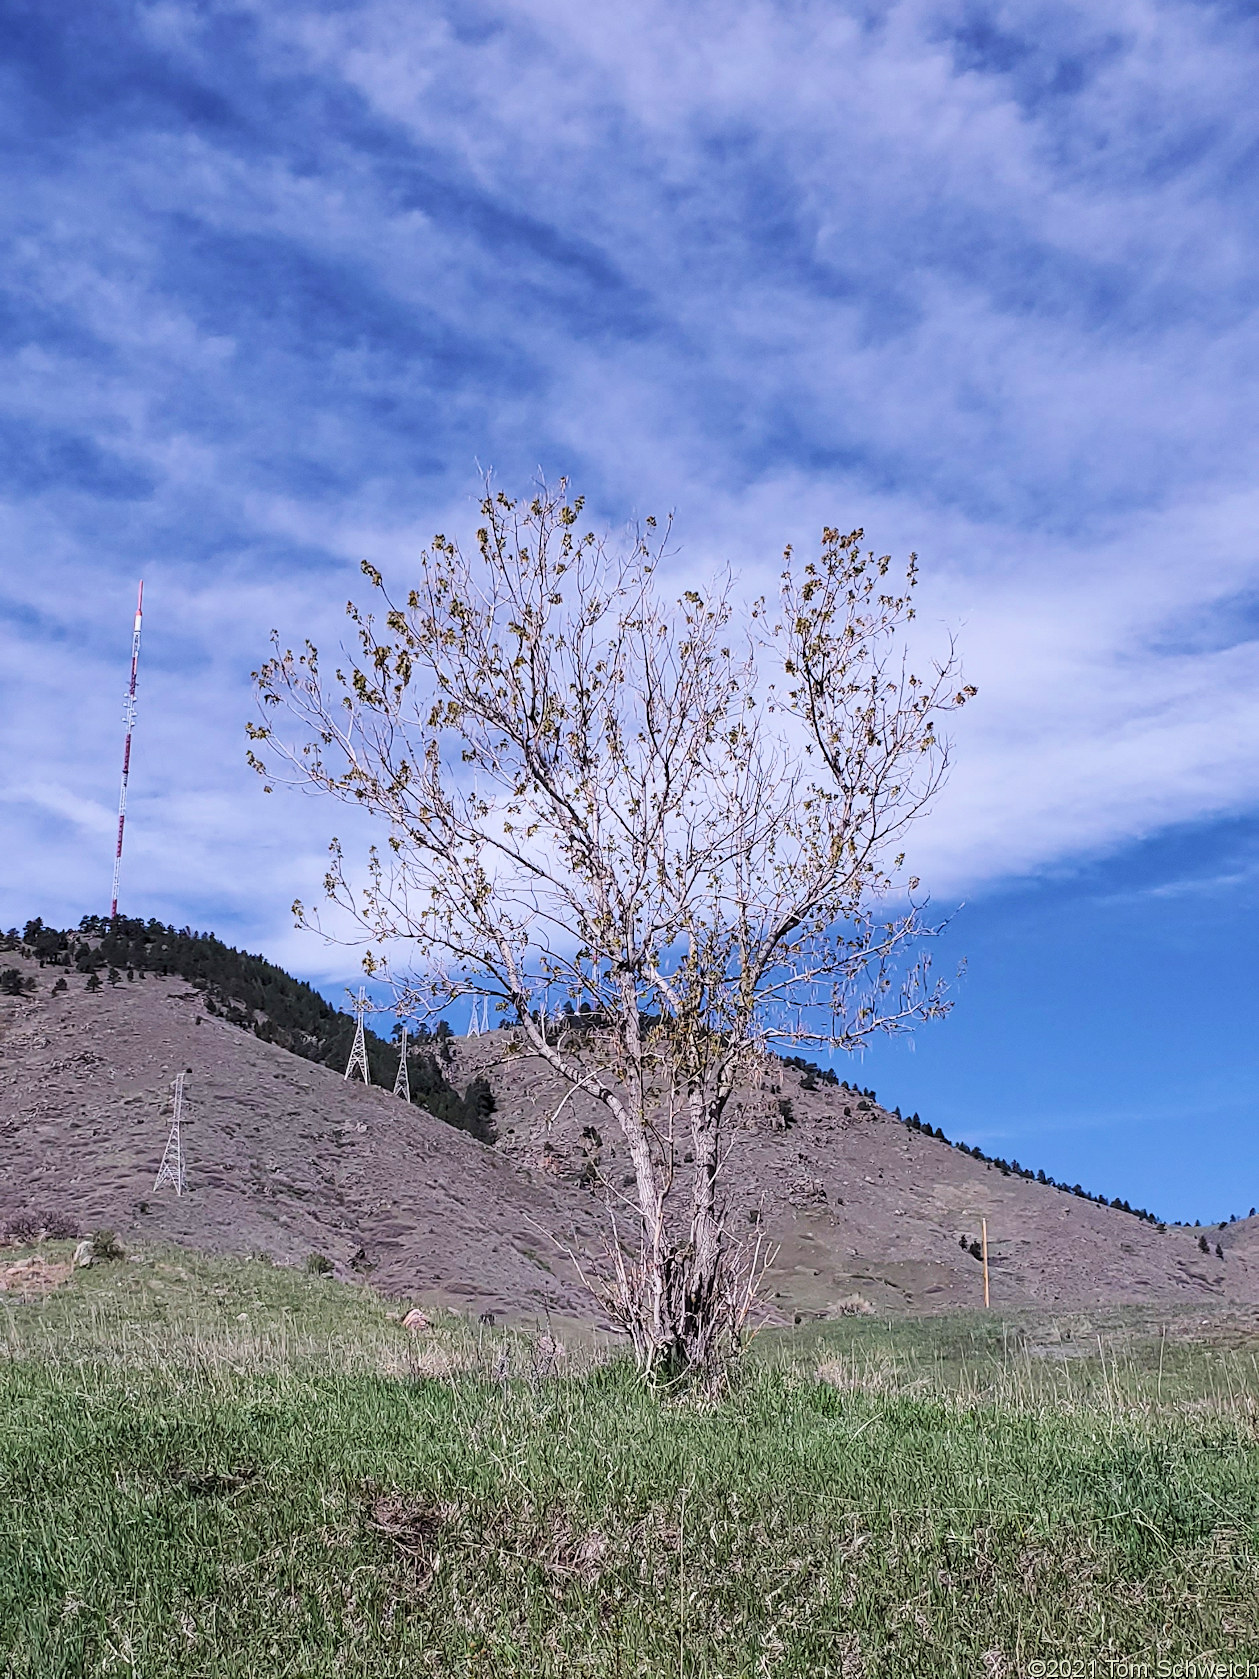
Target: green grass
313 1491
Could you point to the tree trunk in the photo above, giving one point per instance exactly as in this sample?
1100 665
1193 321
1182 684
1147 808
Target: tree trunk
677 1301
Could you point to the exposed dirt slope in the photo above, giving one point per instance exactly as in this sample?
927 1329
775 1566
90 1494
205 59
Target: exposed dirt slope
286 1158
860 1204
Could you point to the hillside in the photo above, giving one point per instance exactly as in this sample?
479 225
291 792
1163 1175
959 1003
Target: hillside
286 1158
250 992
861 1204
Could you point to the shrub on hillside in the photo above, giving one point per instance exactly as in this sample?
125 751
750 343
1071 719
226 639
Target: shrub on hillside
813 1074
44 1226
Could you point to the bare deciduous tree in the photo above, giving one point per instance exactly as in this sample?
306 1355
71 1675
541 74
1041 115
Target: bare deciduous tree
594 795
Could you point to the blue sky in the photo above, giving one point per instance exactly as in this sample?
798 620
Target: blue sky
978 277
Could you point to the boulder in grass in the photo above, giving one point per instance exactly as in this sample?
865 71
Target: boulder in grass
415 1321
83 1255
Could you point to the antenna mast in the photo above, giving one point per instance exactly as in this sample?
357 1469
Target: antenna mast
129 718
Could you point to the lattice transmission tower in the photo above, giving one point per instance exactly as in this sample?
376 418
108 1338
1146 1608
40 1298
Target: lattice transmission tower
402 1084
358 1055
171 1170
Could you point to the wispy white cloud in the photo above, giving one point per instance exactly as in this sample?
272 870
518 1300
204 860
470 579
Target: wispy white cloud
978 277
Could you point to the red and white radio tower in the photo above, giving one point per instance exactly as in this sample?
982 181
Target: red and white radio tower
129 718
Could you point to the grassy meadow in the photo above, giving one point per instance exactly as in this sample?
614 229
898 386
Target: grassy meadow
223 1468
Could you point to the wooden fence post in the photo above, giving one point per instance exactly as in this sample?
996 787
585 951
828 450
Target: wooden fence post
984 1223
